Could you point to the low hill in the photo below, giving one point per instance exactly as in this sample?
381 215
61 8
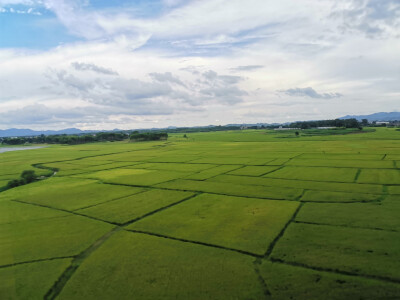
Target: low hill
380 116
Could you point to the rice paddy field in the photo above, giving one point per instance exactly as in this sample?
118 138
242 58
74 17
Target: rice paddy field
252 214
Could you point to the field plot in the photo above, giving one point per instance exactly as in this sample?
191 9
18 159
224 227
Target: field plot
244 214
355 250
343 163
314 173
48 238
253 171
72 167
380 176
309 185
216 170
30 281
129 208
325 196
240 223
148 267
290 282
69 193
13 212
182 167
141 177
233 190
383 215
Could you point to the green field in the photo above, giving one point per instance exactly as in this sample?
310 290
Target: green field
252 214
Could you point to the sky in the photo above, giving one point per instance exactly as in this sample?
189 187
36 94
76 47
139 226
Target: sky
99 64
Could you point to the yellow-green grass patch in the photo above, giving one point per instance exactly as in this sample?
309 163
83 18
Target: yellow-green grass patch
173 159
315 173
372 164
349 156
354 250
212 172
234 222
290 282
277 162
327 196
260 161
312 185
48 238
30 281
181 167
379 176
253 170
69 193
129 208
141 177
367 215
88 169
138 266
223 160
394 189
223 188
393 156
12 212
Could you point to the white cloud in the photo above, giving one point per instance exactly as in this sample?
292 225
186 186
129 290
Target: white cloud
310 92
92 67
172 69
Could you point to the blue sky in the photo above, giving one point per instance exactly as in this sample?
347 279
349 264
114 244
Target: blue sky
137 64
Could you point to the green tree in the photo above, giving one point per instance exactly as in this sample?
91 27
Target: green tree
28 176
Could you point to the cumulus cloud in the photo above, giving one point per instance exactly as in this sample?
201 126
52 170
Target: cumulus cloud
247 68
92 67
45 115
179 61
164 90
166 77
374 18
310 92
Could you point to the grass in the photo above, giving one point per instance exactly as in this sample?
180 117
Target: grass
216 170
325 196
314 173
301 184
220 215
69 193
13 212
253 171
380 176
366 215
233 190
137 266
30 281
48 238
142 177
289 282
240 223
135 206
354 250
345 163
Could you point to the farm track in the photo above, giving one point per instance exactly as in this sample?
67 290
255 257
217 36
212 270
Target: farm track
58 286
261 279
277 238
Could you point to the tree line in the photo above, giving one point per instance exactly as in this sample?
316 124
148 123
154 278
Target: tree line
67 139
346 123
148 136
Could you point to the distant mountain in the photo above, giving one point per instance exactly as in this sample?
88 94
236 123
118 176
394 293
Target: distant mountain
28 132
381 116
